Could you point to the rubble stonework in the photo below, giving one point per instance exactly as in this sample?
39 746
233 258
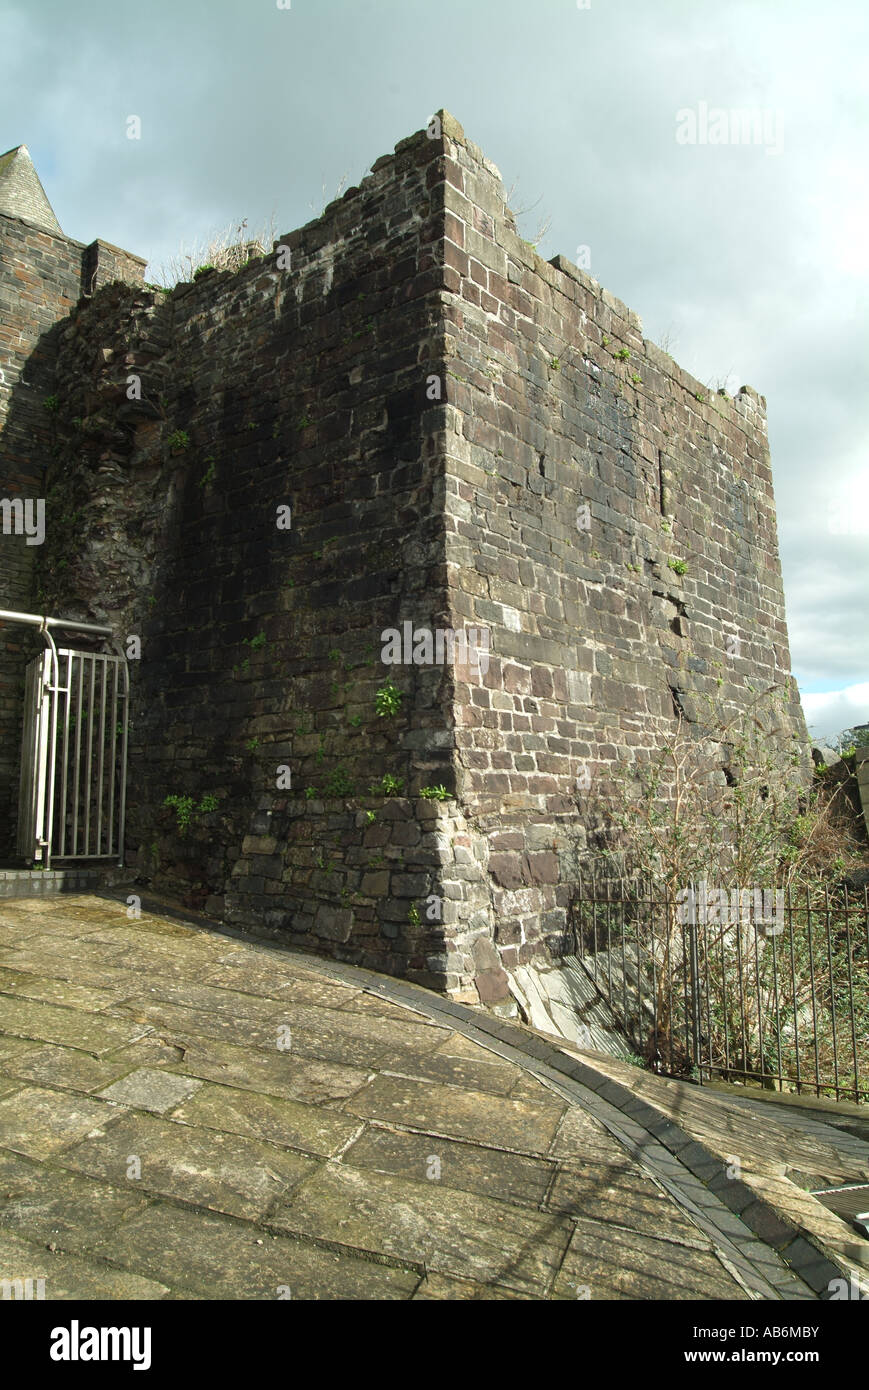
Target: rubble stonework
462 436
43 275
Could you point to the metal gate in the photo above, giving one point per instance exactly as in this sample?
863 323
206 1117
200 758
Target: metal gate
74 750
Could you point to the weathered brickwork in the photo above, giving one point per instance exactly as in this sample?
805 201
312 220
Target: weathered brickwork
393 885
585 471
42 276
461 436
269 388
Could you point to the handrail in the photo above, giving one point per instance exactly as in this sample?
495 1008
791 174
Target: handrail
43 622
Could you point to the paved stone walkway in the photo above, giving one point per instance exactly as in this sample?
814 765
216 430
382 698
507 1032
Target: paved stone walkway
783 1152
188 1114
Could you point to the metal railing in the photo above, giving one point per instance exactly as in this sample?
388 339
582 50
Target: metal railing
738 985
72 797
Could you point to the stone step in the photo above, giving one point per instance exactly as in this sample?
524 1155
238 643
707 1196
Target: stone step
37 883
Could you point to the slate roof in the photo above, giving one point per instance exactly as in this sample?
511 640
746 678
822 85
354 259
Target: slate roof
22 194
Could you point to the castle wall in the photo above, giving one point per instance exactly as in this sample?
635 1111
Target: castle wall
585 469
467 437
40 281
300 385
42 277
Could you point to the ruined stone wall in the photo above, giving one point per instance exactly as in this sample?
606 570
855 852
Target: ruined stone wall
466 437
301 382
42 277
40 281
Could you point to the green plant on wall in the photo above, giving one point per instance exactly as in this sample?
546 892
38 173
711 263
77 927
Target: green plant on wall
413 915
677 566
179 439
387 786
339 783
388 699
186 810
438 793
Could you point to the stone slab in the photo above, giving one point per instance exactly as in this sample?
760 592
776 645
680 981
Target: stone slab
624 1264
60 1207
582 1138
456 1113
277 981
468 1235
13 1049
26 1018
69 1277
506 1177
226 1260
286 1123
37 1122
222 1171
54 991
231 1003
622 1194
274 1073
65 1068
479 1073
151 1089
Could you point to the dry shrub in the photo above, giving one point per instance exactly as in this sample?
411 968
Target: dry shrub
229 249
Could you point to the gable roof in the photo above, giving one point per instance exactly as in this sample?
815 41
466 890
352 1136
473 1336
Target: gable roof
22 194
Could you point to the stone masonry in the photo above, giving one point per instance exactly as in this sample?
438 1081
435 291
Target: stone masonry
43 275
402 415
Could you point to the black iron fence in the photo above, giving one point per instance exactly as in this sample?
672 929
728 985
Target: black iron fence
740 984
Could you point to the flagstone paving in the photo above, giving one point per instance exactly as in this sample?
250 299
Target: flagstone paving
185 1113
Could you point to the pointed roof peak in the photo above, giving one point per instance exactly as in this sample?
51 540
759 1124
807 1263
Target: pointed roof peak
21 192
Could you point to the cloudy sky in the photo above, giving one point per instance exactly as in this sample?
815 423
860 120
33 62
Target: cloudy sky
748 259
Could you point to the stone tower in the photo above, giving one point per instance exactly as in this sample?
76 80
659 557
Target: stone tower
401 423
